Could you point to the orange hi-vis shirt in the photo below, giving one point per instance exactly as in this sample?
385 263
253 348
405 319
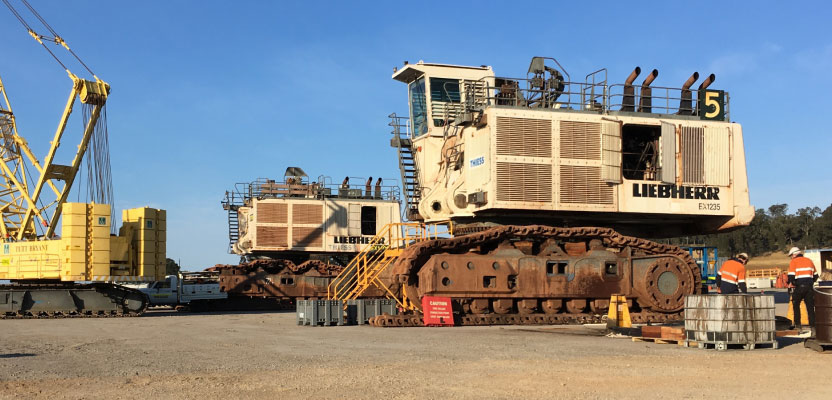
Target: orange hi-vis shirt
802 268
732 271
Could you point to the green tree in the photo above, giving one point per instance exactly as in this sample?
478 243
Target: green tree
171 267
806 220
823 228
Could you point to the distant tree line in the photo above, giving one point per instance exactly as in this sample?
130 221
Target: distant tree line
772 230
171 267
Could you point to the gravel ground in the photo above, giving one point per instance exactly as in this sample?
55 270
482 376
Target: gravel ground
254 355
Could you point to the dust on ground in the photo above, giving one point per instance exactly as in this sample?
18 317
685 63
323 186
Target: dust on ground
257 355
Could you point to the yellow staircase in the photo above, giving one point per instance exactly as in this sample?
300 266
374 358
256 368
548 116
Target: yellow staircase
364 270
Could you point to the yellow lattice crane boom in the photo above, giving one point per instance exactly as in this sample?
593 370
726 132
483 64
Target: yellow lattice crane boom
23 205
46 265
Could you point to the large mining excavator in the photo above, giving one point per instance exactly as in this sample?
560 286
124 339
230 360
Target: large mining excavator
64 259
294 235
554 187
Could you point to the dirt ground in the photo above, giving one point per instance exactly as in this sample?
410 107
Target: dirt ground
770 260
259 355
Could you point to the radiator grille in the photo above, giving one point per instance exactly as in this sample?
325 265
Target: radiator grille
307 237
524 182
271 213
524 137
583 185
580 140
272 236
717 156
307 214
693 154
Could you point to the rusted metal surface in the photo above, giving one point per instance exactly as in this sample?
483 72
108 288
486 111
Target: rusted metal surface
707 82
823 315
686 103
387 321
628 102
568 273
280 279
645 103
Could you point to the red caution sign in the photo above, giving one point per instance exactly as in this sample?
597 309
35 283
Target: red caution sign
437 311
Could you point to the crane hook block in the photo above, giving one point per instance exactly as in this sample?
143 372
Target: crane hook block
94 92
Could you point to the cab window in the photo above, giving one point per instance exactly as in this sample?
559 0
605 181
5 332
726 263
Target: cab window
443 93
446 90
418 107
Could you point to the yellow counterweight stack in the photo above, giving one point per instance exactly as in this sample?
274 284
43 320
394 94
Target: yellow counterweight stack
147 227
86 241
87 251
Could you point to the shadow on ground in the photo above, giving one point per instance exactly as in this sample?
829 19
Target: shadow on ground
174 313
17 355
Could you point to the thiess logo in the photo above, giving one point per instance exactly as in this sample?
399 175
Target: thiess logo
663 191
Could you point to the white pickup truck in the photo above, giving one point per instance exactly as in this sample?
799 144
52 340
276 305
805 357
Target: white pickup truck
185 289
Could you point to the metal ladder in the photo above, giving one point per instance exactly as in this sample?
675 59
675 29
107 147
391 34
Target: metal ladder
384 248
233 227
407 166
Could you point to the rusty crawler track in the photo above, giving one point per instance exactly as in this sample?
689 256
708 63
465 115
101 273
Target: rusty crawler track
654 305
406 263
280 279
389 321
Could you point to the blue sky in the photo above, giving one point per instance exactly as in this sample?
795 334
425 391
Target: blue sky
209 93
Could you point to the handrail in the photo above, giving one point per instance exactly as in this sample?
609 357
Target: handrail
518 92
364 269
269 188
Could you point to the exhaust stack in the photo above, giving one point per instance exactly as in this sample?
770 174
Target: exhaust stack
702 86
629 100
685 104
645 103
378 189
367 193
707 82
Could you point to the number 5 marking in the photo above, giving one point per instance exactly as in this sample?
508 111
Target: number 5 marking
711 101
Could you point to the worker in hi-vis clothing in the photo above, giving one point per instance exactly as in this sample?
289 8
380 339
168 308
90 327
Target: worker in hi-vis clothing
802 275
731 276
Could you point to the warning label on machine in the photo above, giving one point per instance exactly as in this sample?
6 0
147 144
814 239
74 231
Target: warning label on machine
438 311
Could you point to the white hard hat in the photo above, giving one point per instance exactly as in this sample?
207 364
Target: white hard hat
794 250
743 256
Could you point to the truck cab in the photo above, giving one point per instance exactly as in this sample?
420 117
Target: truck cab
183 289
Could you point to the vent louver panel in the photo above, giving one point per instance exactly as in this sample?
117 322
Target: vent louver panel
717 156
524 182
307 237
693 155
271 213
583 185
524 137
272 236
580 140
307 214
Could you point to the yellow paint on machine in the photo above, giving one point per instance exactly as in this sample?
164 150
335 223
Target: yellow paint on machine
86 251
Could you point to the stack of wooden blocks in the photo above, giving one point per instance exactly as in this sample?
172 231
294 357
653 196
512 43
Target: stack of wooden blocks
661 334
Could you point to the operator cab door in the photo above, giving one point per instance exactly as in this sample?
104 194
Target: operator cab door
354 219
668 152
163 292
